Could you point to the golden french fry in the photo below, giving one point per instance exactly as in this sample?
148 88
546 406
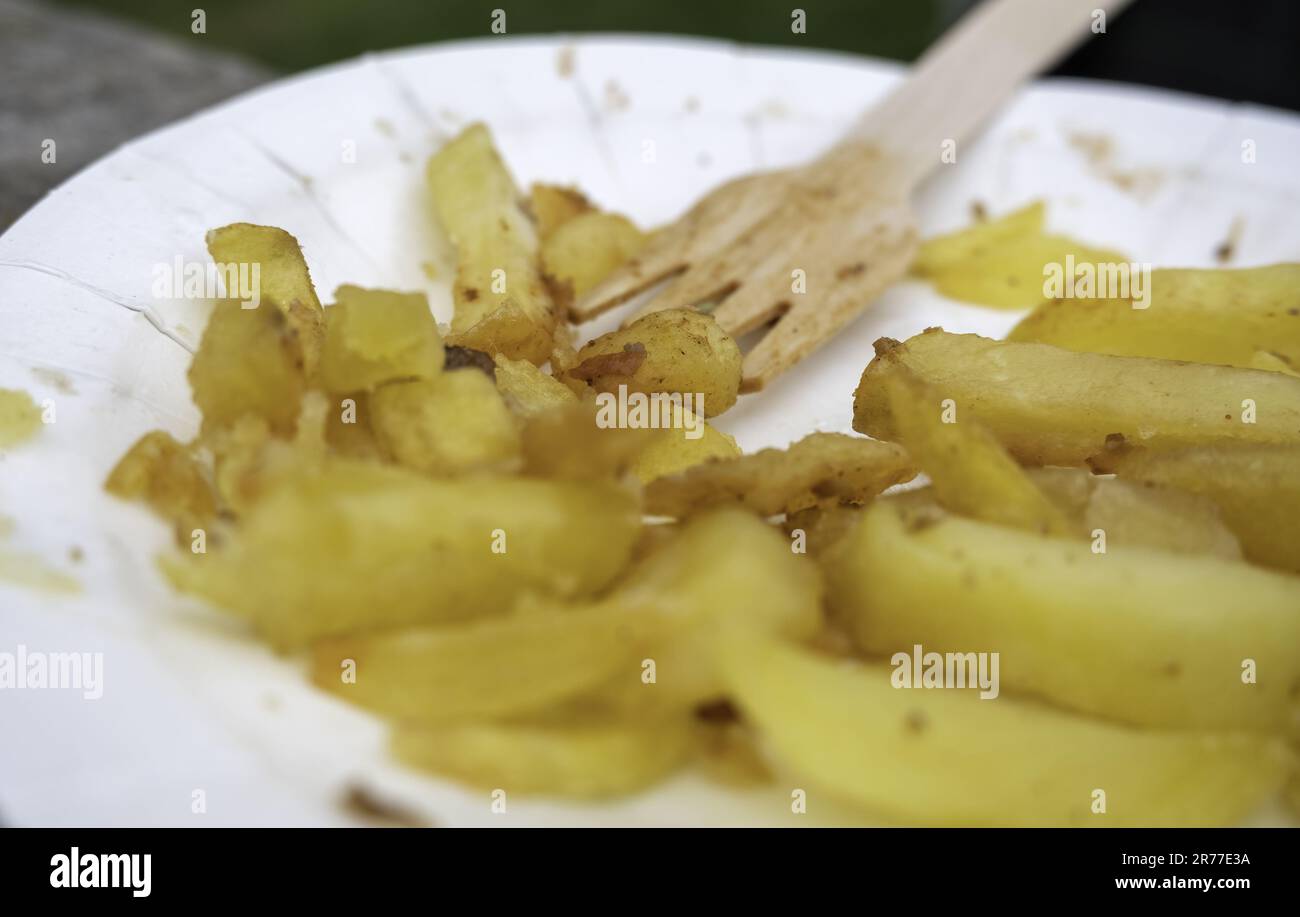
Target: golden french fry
584 250
1256 487
1218 316
510 666
821 468
1050 406
378 336
448 425
282 280
166 475
1004 263
354 545
946 757
1135 634
554 205
502 304
529 391
971 473
585 759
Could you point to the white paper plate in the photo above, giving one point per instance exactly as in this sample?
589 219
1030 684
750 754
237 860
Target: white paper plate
644 125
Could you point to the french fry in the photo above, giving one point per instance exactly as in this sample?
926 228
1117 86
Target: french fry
1137 635
1218 316
1050 406
1256 487
1138 514
970 472
822 468
583 759
511 666
354 545
946 757
501 302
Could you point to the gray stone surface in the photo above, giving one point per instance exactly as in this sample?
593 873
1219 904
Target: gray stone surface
90 83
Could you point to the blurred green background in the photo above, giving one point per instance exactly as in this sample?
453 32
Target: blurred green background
293 35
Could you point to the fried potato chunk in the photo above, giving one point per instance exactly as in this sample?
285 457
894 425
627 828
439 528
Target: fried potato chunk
282 281
582 758
1256 487
971 473
1126 513
1135 634
528 390
690 441
1218 316
950 758
502 304
512 666
247 363
378 336
1002 263
166 475
554 205
820 469
452 424
354 545
677 351
585 250
20 418
1050 406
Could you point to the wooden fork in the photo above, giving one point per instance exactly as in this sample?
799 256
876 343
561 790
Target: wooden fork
806 249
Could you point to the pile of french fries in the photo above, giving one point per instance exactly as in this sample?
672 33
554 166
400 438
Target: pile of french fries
541 601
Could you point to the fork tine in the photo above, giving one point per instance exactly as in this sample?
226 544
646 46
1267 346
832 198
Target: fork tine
708 228
812 320
747 260
758 301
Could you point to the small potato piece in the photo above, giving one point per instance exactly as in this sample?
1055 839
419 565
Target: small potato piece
378 336
1138 635
676 351
248 362
1132 514
282 280
724 570
822 468
567 443
349 429
449 425
166 475
1256 487
529 391
1206 316
502 667
501 302
1050 406
675 450
950 758
356 545
970 471
585 250
554 205
20 418
576 758
1001 263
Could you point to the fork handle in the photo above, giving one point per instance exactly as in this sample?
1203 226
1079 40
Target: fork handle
965 76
